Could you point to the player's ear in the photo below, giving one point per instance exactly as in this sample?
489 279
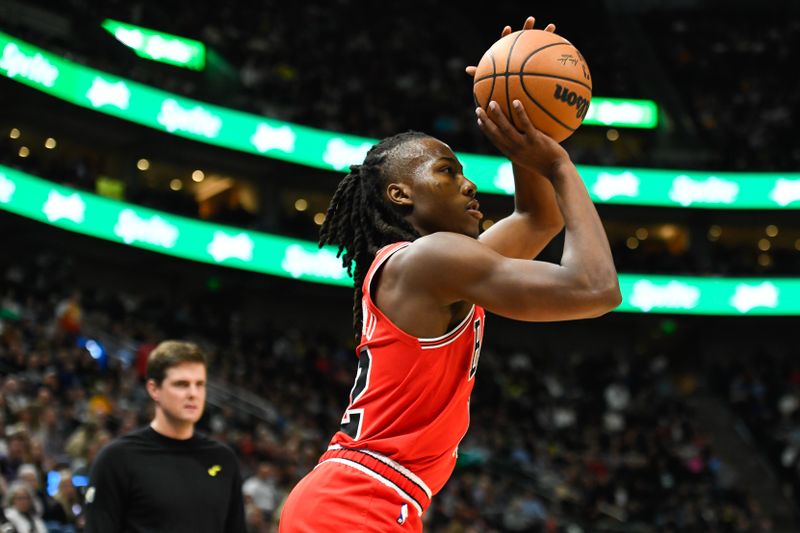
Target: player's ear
399 194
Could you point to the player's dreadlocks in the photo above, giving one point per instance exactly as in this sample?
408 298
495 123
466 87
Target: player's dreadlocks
361 221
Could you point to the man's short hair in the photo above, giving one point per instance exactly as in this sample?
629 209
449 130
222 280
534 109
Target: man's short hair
172 353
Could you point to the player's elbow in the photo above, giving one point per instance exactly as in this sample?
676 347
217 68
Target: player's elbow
605 298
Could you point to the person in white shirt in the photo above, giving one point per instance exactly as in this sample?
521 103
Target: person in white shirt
263 490
20 511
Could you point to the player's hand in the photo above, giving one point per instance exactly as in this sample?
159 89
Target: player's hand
526 146
529 22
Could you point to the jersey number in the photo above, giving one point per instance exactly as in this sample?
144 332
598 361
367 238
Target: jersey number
353 418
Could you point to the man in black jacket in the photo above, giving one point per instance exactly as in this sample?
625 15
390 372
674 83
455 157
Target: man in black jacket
167 477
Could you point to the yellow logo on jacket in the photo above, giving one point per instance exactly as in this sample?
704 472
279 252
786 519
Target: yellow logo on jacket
214 470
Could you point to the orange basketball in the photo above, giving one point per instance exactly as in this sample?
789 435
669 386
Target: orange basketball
544 72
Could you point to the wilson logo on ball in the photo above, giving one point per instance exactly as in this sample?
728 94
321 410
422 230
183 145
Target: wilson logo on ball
571 98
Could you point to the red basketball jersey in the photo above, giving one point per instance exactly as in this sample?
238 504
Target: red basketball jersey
410 400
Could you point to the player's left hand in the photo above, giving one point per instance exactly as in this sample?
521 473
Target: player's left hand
529 22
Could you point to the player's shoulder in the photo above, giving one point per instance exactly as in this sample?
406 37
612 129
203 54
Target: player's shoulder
437 246
434 254
440 238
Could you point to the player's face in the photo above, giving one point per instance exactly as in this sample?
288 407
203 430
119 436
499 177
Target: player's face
182 394
442 198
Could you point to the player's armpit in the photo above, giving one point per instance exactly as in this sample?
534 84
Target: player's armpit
457 268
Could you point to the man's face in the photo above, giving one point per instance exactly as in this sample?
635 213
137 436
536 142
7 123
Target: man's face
441 197
182 394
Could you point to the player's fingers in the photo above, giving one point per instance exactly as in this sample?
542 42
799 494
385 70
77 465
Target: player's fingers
483 121
508 146
470 70
503 123
522 117
505 31
488 127
550 27
529 22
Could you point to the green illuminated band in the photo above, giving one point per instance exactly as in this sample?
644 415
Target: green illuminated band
177 236
622 113
159 46
216 125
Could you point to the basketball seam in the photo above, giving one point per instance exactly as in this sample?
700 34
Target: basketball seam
493 76
522 74
556 119
541 74
508 64
528 94
494 80
534 52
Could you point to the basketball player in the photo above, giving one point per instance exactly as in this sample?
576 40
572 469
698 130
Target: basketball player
407 220
167 478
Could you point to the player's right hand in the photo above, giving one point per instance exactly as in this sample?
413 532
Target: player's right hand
527 146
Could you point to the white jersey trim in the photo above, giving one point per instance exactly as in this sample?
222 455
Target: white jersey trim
361 468
370 322
460 325
380 264
394 464
466 318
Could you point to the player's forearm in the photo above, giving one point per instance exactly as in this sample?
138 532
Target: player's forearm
587 253
536 219
534 197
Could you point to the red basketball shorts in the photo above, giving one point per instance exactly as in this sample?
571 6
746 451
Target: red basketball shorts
340 497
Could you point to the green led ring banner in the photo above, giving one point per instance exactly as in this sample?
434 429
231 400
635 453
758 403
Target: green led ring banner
657 187
704 296
162 47
207 123
186 238
116 221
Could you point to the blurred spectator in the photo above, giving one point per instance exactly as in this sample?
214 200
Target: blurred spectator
256 523
51 432
30 475
591 438
20 511
764 390
69 314
17 445
263 490
63 515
